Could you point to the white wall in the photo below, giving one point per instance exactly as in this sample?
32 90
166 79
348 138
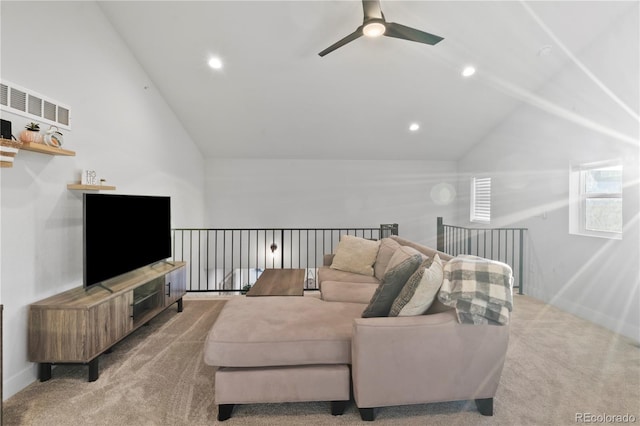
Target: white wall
124 131
328 193
574 119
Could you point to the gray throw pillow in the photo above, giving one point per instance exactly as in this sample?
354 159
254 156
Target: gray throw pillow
390 286
420 291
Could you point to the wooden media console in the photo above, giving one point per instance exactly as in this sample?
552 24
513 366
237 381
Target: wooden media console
78 325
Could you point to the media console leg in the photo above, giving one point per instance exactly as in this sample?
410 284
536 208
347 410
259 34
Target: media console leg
44 371
180 305
93 370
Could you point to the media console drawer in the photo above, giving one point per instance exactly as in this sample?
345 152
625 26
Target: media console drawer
78 325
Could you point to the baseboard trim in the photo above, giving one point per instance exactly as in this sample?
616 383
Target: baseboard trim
18 382
615 325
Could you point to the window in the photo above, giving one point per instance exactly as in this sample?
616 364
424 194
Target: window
595 207
480 200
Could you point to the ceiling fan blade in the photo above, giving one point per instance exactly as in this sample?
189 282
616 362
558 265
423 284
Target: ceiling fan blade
407 33
354 35
372 10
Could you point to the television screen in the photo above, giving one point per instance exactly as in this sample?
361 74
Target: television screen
122 233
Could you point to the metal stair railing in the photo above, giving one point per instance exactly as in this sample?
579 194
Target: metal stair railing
506 245
228 259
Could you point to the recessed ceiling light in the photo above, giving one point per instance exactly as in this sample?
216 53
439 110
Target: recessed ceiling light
215 63
468 71
414 127
545 50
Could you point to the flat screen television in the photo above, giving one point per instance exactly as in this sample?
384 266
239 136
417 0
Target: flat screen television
122 233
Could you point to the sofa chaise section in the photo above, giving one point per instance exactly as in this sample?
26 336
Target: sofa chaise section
281 349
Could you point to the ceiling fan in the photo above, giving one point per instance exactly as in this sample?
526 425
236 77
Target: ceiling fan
374 25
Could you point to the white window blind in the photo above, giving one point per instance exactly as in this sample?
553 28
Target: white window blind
481 200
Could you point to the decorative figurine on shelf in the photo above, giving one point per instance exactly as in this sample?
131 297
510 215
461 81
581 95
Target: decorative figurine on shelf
53 137
31 134
89 177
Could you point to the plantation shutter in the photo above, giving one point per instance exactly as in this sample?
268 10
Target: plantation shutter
481 200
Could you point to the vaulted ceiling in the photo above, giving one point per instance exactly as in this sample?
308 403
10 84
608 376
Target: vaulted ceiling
275 97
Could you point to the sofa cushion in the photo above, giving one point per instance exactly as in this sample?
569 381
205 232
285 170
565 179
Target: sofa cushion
420 291
401 254
393 281
328 274
334 291
386 250
281 330
355 254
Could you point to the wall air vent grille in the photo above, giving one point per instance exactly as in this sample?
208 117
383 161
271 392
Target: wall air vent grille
63 116
18 100
34 106
49 111
4 94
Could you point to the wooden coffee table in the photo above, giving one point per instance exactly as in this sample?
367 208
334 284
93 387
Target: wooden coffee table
279 282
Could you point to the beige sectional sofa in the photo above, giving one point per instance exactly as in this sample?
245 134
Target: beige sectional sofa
293 349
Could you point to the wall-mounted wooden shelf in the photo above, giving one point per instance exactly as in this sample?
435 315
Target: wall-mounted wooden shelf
80 187
46 149
39 148
8 151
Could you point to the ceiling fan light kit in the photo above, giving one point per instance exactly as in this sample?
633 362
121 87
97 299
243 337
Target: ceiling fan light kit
375 25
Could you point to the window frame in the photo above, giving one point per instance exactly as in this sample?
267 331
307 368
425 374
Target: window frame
578 197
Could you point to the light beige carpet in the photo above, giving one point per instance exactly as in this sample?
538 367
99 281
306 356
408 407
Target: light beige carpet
557 367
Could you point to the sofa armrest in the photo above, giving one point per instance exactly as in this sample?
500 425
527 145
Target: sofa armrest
426 358
327 259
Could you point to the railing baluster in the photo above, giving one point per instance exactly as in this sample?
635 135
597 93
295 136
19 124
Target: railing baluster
521 267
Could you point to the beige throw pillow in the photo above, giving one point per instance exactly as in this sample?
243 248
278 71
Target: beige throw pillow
388 246
401 254
355 254
415 298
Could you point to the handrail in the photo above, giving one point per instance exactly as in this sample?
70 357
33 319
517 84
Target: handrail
503 244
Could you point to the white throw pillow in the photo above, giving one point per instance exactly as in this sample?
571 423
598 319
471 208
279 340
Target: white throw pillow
426 291
355 254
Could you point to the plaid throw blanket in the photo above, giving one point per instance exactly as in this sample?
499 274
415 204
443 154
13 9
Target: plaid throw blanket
481 290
